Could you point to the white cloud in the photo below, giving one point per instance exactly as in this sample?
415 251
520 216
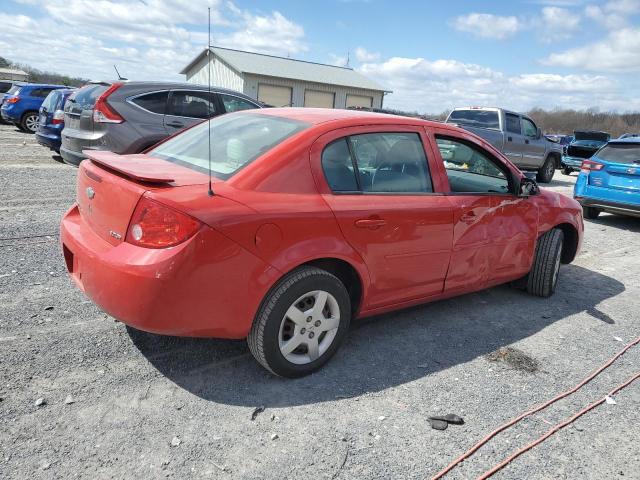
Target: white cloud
618 52
338 61
556 23
613 14
147 39
486 25
273 34
364 56
434 86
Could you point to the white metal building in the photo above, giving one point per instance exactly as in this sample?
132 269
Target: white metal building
280 81
13 75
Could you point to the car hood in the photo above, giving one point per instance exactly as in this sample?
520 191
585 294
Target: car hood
588 135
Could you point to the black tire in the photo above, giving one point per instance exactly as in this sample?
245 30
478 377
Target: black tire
545 174
590 212
543 276
264 333
28 120
566 171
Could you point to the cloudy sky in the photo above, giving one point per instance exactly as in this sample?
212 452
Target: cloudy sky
433 55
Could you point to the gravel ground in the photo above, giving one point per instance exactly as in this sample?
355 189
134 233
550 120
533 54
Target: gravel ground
120 403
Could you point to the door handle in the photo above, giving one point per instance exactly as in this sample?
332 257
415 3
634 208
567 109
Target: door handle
468 217
175 124
372 223
509 139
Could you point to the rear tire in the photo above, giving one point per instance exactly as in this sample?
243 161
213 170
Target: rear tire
566 171
288 312
542 279
29 122
545 174
590 212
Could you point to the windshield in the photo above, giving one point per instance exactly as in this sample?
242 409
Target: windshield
620 153
476 118
50 102
236 141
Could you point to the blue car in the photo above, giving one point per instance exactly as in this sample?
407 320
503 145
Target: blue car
610 180
21 104
584 145
51 120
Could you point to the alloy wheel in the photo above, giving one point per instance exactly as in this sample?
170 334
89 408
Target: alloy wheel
309 327
31 122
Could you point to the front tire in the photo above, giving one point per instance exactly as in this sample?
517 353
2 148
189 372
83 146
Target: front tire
590 213
543 276
29 122
301 323
566 171
545 174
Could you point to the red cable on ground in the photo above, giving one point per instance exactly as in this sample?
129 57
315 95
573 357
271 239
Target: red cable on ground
553 430
473 449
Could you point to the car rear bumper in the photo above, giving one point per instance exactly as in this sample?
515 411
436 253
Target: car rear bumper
48 140
207 286
7 116
611 207
71 157
572 162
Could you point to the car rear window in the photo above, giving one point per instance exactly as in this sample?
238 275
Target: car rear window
86 97
620 153
51 101
476 118
236 141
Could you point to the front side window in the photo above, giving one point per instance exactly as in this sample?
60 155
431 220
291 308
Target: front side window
236 141
234 104
513 123
155 102
529 128
192 104
385 163
470 170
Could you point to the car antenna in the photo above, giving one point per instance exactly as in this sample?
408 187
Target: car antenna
120 77
210 192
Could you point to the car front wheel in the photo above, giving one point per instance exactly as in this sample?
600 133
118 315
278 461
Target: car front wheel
301 323
543 276
590 213
566 171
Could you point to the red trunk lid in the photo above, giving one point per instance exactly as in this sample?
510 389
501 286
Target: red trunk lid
110 185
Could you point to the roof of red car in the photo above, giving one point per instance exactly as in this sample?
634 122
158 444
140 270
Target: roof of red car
316 116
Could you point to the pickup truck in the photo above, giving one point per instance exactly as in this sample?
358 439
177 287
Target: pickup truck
515 135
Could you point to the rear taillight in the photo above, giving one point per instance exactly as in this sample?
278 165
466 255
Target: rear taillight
12 100
102 111
58 117
154 225
590 166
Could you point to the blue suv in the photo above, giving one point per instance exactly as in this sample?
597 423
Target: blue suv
22 102
609 181
51 120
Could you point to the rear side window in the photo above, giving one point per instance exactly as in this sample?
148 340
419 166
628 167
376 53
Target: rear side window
620 153
193 104
87 96
40 92
155 102
384 163
15 90
51 101
513 123
476 118
235 104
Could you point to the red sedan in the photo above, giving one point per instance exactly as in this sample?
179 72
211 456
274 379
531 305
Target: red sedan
316 217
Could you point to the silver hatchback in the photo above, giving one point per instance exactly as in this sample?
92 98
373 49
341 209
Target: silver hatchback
129 117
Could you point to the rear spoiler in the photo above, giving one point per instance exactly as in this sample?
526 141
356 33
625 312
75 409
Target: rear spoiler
139 167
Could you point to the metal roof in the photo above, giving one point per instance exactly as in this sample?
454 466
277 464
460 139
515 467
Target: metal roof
281 67
13 71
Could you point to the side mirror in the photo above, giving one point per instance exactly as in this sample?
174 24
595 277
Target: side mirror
539 134
528 187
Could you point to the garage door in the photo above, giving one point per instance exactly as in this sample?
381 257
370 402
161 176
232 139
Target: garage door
359 101
317 99
275 95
